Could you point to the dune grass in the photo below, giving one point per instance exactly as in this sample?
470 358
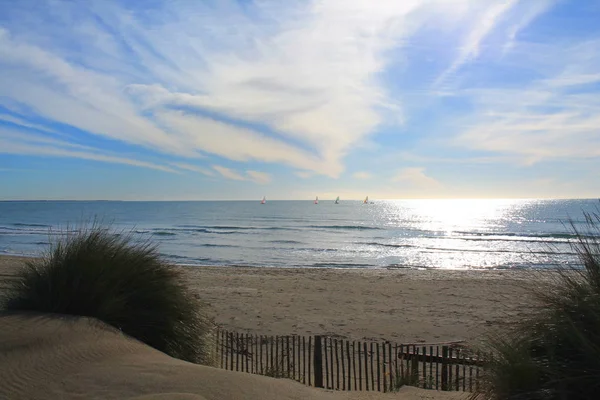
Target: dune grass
121 281
555 353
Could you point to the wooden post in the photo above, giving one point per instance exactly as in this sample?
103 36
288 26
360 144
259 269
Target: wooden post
366 366
331 361
248 352
378 369
337 365
287 354
359 368
342 358
349 365
392 372
457 370
256 344
260 343
303 360
318 362
327 365
294 369
272 340
424 367
310 364
222 333
444 368
415 365
372 354
354 363
384 369
450 356
437 367
231 351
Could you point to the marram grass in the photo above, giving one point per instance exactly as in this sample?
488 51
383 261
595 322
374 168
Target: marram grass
555 352
121 281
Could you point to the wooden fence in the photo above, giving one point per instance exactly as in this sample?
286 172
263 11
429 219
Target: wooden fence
340 364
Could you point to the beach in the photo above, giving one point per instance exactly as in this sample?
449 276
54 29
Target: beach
399 305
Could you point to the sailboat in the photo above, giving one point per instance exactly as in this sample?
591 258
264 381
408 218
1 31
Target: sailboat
337 200
366 201
317 200
264 200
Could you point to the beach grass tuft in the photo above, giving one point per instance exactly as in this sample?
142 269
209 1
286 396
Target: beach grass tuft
121 280
555 352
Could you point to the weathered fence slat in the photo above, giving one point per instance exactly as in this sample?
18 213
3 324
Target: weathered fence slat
335 363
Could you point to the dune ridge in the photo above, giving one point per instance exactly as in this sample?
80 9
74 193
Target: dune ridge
55 356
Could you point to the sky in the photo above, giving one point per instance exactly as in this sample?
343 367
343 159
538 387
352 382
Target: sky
202 100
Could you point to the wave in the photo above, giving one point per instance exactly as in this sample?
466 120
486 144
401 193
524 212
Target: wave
285 241
386 244
164 233
174 231
452 249
216 245
345 227
341 265
31 225
552 235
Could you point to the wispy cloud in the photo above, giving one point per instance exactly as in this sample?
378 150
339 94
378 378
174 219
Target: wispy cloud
531 10
415 177
361 175
482 28
13 141
292 83
549 119
250 175
194 168
10 147
259 177
228 173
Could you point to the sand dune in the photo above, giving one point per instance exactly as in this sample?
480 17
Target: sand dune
60 357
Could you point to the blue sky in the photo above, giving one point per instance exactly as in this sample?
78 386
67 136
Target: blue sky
164 100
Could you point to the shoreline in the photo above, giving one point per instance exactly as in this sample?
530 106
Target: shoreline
510 270
399 305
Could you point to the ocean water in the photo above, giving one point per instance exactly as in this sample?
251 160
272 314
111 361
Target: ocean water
451 234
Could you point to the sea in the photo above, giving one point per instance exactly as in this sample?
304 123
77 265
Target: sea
429 234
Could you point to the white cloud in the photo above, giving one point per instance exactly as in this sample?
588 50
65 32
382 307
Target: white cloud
415 177
10 147
552 118
483 27
259 177
15 141
531 10
304 174
194 168
228 173
302 78
361 175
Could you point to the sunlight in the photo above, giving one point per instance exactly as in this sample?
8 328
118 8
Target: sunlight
459 215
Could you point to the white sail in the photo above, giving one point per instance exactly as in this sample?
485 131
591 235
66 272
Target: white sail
317 200
366 200
337 200
264 200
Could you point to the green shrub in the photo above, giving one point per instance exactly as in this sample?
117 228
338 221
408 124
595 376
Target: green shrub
555 353
121 281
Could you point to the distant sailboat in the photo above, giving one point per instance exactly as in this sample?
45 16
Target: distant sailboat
264 200
317 200
366 201
337 200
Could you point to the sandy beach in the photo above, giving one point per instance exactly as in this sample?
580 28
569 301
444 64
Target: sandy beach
405 306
